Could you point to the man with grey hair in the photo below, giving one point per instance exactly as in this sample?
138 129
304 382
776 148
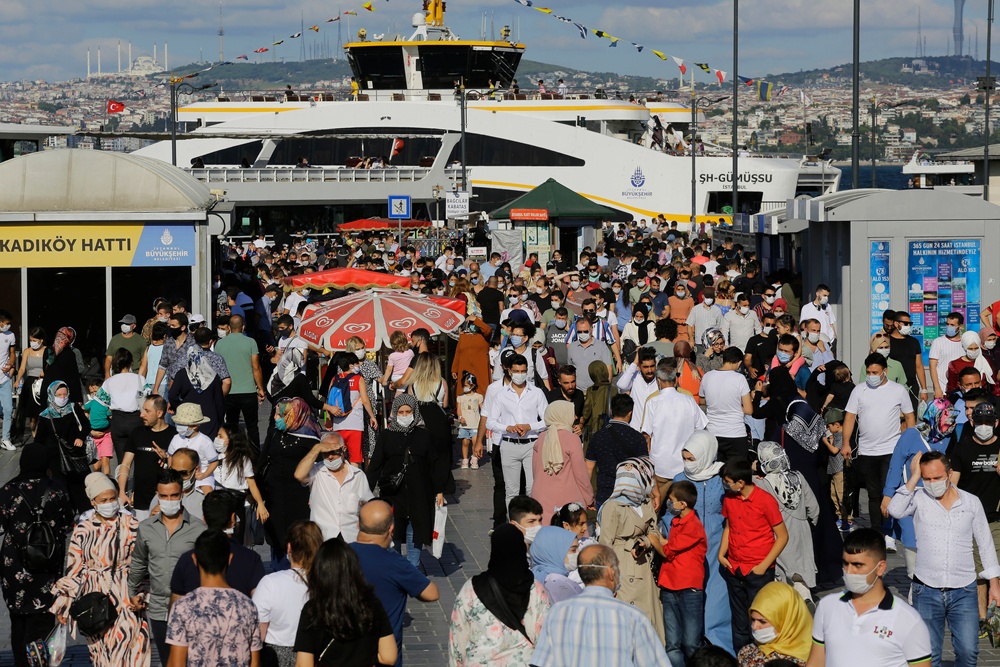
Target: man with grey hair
338 488
593 629
669 420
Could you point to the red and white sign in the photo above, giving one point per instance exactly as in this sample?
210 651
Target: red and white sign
529 214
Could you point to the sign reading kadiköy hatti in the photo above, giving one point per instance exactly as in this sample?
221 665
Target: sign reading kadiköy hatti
943 277
879 278
56 246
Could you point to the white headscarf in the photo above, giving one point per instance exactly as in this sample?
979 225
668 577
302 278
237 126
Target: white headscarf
704 447
787 484
980 363
292 360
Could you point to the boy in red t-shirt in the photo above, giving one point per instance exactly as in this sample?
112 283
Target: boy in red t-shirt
682 575
753 537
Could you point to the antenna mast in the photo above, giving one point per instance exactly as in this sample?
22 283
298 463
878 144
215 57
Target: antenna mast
221 33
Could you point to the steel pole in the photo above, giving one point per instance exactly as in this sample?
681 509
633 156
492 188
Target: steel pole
989 89
694 151
173 123
736 106
874 120
856 131
465 183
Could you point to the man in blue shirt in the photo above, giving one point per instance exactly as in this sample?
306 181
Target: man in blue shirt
393 577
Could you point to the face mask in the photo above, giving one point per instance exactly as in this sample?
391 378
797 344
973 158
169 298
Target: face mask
575 284
162 319
691 468
221 333
560 324
517 341
709 301
884 351
858 583
936 489
905 329
654 288
450 267
475 281
126 328
776 286
467 389
35 345
571 561
451 283
61 401
5 328
176 333
616 290
108 510
744 310
972 354
220 445
333 465
983 432
783 357
951 331
530 533
584 336
556 305
768 300
229 531
279 423
306 292
813 338
765 635
824 300
171 507
673 509
519 378
439 292
767 330
184 431
680 294
284 333
874 381
639 320
989 345
404 420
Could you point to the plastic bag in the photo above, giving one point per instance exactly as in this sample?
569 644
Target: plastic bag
440 521
921 409
49 652
993 624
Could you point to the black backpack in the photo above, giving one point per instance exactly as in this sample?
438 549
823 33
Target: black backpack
41 551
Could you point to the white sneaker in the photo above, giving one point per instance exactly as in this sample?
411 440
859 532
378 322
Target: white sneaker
7 445
464 464
890 544
474 463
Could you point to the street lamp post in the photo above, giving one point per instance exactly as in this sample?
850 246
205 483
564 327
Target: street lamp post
694 152
736 108
988 89
175 86
856 100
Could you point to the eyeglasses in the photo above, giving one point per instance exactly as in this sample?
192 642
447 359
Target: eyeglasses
589 311
186 473
335 453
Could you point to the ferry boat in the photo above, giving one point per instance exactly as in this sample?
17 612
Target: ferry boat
925 172
414 98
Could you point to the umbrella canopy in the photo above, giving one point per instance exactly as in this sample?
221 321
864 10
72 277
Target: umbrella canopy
375 314
381 225
561 203
342 278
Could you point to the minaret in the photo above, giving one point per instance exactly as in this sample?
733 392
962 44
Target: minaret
957 30
221 32
88 62
130 56
98 61
154 52
166 57
119 56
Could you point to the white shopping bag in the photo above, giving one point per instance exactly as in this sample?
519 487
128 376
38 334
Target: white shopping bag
440 521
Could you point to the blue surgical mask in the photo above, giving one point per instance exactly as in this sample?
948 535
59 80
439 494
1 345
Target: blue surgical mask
951 331
516 341
784 357
279 424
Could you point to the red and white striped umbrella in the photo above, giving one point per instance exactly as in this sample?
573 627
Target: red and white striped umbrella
375 314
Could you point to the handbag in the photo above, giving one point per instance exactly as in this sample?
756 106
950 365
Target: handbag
50 651
70 463
390 485
96 612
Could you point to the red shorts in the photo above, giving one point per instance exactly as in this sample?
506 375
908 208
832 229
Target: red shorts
105 448
353 441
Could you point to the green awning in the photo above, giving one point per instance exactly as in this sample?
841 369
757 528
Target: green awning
561 203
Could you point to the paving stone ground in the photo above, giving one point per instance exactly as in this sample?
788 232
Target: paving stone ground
425 637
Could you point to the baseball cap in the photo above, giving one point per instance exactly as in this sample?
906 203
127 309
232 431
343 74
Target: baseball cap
984 413
128 319
834 416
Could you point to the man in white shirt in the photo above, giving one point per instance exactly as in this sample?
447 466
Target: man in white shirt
876 408
945 520
639 381
727 399
704 316
819 309
337 488
867 625
519 414
671 417
944 350
740 324
8 355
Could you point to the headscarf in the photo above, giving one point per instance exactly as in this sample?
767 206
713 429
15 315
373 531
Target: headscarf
786 611
401 400
598 397
34 462
508 570
780 303
981 363
875 342
54 411
704 447
633 481
781 386
939 418
804 424
642 329
773 462
558 416
711 336
548 552
199 370
64 339
298 417
291 362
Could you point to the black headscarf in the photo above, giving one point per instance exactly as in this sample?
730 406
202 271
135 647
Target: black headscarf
505 587
644 328
781 387
34 462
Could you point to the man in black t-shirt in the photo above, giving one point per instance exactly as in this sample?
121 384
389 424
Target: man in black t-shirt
490 301
145 455
905 349
613 444
566 390
760 349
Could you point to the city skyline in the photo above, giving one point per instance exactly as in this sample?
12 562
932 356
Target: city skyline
782 36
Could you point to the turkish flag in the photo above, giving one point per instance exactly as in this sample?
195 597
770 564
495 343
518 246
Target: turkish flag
397 145
115 107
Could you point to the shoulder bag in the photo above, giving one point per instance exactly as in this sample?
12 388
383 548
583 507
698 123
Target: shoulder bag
70 462
392 484
95 612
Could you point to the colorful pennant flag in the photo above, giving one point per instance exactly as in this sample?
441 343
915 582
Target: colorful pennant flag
745 80
336 18
115 107
659 54
638 47
243 57
397 145
784 89
720 75
261 50
680 65
583 30
295 36
544 10
368 6
314 28
280 41
704 67
805 98
764 91
350 13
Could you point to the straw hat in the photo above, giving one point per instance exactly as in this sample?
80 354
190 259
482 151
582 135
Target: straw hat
189 414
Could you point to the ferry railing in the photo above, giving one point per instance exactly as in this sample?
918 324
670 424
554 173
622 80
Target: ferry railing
404 95
313 174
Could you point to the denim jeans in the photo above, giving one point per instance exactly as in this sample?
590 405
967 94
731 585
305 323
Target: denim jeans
412 552
959 607
683 622
7 405
514 458
743 588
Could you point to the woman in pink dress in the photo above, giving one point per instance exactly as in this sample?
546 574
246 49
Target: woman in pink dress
560 472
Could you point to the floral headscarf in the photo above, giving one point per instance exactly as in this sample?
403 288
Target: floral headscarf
64 339
633 481
54 411
297 417
939 419
199 370
399 401
787 485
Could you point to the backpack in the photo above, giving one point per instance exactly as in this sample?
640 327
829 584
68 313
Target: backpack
340 392
41 551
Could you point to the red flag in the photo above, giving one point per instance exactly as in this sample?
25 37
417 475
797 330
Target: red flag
397 145
115 107
261 50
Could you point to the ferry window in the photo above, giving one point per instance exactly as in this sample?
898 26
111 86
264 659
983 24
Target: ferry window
487 151
382 66
335 152
749 201
234 155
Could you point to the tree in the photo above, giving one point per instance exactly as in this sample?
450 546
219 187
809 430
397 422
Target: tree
965 100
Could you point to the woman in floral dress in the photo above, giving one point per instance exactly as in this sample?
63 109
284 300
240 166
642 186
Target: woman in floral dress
498 614
100 553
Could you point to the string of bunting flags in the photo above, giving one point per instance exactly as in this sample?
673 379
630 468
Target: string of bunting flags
765 90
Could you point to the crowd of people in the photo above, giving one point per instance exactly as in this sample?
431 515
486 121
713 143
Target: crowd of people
677 457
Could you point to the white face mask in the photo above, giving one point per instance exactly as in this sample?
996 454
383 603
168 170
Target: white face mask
221 333
813 338
767 330
184 431
360 354
571 561
404 420
126 328
765 635
709 301
189 484
220 445
333 465
768 300
530 533
936 489
989 345
170 507
744 310
575 284
823 300
858 583
884 351
906 329
560 324
691 467
108 510
584 336
61 401
520 379
972 354
34 345
983 432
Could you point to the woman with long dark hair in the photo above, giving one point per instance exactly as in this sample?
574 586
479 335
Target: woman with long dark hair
343 623
235 474
32 362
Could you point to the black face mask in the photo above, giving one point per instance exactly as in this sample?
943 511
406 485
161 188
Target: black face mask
176 333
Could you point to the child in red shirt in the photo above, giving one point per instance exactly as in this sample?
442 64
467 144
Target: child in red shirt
682 575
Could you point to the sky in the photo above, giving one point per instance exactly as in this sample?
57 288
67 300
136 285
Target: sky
48 39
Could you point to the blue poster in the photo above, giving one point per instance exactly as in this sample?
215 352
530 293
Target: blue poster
879 277
166 245
943 277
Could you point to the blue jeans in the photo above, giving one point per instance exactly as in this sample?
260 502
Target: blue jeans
412 552
7 405
683 622
959 607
